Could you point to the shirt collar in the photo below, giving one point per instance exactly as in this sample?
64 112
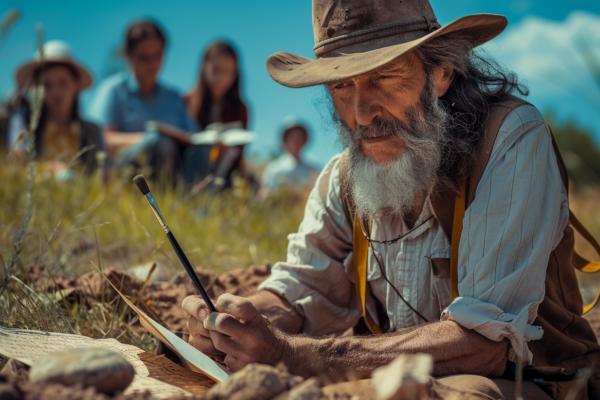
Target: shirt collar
131 82
385 228
134 87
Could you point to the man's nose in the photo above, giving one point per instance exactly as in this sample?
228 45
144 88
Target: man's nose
367 109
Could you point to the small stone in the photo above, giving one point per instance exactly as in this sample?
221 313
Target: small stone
307 390
8 392
254 382
101 368
405 377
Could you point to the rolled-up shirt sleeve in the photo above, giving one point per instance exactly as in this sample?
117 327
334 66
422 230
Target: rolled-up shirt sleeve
510 229
314 278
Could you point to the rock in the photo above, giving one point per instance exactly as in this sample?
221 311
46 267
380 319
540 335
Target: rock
353 390
254 382
160 273
14 368
101 368
405 377
307 390
9 392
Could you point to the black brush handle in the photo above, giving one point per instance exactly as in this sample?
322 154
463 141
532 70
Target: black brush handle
188 267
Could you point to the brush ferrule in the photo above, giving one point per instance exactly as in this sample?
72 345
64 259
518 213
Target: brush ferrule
156 211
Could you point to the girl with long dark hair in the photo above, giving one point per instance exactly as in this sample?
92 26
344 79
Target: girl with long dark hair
216 102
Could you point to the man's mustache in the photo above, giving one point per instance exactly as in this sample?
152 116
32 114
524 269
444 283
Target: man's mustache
380 128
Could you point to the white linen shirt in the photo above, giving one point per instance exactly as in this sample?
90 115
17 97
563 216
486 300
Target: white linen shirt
515 221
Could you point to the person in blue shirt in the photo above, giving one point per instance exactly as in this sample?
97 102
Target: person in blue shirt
289 170
145 122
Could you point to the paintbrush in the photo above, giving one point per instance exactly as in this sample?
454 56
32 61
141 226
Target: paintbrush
140 181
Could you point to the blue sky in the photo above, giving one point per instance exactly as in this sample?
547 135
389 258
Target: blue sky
537 44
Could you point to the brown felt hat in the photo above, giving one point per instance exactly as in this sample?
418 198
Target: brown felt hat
354 37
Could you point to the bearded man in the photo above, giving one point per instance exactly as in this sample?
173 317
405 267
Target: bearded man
430 127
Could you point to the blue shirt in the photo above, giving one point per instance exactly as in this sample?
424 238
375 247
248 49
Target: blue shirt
286 170
119 104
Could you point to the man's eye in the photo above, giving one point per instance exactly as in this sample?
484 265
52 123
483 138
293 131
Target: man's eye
341 85
385 77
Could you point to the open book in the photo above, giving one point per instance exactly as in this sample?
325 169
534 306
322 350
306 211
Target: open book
191 358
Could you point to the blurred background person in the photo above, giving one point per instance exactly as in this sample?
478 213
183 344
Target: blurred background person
61 133
216 103
142 117
17 118
289 170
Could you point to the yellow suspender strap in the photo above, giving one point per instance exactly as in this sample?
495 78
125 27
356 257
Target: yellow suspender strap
457 226
361 253
581 263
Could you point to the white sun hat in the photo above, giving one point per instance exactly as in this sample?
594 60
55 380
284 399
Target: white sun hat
55 51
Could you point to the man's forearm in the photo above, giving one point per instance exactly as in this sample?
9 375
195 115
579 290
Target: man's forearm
456 350
278 311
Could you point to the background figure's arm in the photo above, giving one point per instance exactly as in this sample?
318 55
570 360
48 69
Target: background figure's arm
277 310
455 350
115 139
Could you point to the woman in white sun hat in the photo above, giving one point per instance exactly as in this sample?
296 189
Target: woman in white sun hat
61 132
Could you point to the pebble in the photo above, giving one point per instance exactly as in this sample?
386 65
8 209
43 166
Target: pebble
101 368
8 392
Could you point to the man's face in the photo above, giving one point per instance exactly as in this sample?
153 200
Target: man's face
389 93
395 129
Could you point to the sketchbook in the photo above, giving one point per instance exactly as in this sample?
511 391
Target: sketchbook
191 358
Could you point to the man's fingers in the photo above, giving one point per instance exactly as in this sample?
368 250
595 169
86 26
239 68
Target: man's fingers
226 324
239 307
196 307
224 343
196 327
205 345
233 364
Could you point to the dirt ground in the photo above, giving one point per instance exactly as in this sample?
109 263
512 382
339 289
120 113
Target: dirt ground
162 301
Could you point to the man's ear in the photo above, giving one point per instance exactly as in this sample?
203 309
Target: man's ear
442 78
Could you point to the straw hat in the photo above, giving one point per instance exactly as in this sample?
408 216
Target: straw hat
55 51
354 37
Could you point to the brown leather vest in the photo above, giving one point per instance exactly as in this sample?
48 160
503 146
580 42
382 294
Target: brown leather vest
568 339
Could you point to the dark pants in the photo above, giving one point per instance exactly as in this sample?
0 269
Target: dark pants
168 158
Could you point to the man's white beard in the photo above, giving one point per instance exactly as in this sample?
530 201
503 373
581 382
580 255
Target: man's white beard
396 188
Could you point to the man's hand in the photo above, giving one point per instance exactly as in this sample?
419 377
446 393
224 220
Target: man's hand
237 334
200 336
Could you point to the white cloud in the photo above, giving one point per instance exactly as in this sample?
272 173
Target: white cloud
548 54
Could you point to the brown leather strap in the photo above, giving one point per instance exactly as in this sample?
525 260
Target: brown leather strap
457 227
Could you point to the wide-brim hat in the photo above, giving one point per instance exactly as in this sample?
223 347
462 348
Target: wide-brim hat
54 51
354 37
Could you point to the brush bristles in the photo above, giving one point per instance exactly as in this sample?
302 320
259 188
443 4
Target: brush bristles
140 181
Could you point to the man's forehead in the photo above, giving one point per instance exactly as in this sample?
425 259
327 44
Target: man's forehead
407 64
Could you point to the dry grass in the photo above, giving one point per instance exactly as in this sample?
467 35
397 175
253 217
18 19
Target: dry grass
586 206
84 220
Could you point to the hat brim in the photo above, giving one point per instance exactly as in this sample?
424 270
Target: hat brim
349 61
24 74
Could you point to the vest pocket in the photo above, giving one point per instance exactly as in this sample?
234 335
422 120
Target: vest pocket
440 267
